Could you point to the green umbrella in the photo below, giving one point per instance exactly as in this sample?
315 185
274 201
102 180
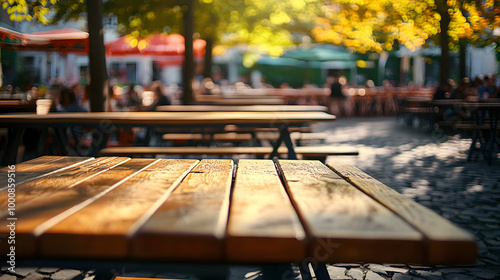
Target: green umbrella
320 54
280 61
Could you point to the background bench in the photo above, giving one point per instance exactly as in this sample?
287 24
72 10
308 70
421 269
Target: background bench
318 152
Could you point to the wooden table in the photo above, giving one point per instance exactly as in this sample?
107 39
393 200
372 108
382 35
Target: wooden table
105 122
241 108
485 114
112 212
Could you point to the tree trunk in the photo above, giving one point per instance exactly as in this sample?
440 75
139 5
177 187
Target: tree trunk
463 66
188 69
207 71
444 40
97 58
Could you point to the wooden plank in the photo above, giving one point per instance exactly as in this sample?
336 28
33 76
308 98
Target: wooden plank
222 137
41 166
190 225
55 181
241 101
42 188
243 108
263 226
344 224
303 150
168 118
446 243
38 212
102 228
141 278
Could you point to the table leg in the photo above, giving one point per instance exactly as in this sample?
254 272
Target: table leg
284 137
321 272
490 149
41 142
472 145
62 140
279 271
99 141
13 139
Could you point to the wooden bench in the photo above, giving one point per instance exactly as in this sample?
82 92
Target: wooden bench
233 137
473 126
301 151
116 212
207 138
297 136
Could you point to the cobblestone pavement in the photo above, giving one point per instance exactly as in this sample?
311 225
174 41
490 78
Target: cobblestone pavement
431 170
434 172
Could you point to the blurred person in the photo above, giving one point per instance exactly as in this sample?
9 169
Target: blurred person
443 91
85 101
159 96
487 89
113 102
131 98
337 97
68 101
462 90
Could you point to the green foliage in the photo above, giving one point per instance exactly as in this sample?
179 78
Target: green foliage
269 24
20 10
377 25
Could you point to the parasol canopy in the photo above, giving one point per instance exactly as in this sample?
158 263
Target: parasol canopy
61 40
321 54
10 38
168 49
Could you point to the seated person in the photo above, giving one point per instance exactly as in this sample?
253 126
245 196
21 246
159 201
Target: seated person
69 103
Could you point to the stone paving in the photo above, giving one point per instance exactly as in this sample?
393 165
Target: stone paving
431 170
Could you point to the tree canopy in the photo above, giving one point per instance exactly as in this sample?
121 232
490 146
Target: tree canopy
271 25
376 25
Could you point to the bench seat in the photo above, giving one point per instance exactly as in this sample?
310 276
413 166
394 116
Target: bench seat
305 151
218 137
295 136
473 126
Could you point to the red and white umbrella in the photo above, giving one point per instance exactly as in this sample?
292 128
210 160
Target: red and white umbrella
167 49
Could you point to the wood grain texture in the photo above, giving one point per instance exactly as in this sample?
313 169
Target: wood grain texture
446 244
344 224
248 108
168 118
103 228
39 213
41 166
190 225
229 137
263 226
44 185
58 180
240 150
241 101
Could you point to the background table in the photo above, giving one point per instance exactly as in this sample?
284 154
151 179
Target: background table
241 108
117 210
105 122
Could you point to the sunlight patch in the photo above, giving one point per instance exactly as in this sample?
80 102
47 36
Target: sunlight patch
473 189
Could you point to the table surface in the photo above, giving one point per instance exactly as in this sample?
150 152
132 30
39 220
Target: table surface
169 118
241 108
218 210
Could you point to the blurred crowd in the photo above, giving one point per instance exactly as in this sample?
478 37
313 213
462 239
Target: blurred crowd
481 88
